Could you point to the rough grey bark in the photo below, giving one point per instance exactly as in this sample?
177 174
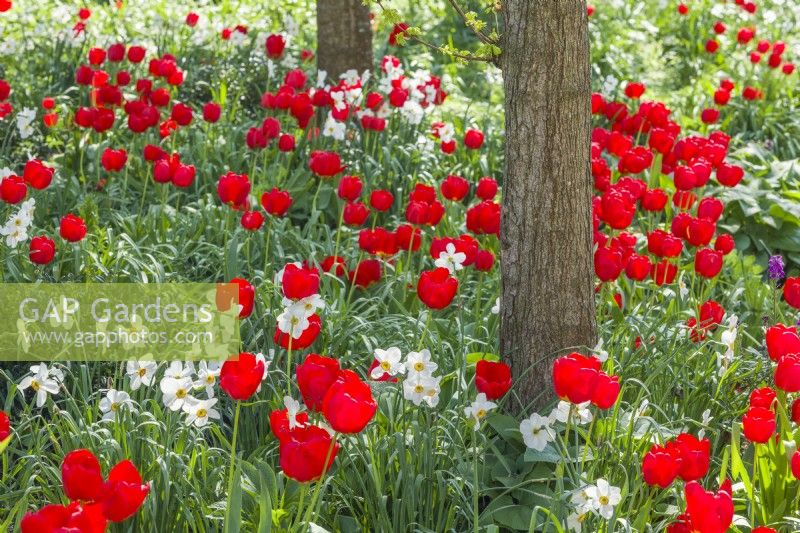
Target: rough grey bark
546 230
344 37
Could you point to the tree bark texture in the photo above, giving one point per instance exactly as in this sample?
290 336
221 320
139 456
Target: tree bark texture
344 37
546 231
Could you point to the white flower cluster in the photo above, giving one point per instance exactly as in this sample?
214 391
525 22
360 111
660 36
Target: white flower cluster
44 381
537 430
16 228
25 120
420 385
600 499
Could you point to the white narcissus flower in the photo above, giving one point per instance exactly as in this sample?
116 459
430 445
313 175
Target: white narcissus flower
200 412
24 120
575 521
334 128
177 370
479 409
580 413
536 432
450 259
141 373
207 375
41 382
292 410
419 387
293 321
496 307
420 363
175 391
113 401
388 362
306 306
603 497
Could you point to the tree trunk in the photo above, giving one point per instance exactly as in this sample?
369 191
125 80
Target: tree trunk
344 37
546 230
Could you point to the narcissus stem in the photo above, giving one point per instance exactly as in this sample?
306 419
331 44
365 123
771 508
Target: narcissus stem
232 468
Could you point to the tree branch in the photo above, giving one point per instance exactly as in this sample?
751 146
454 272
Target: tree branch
479 34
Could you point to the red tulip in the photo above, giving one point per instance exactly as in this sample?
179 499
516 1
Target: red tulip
42 250
575 377
606 390
306 339
247 295
473 139
241 375
252 220
348 405
484 261
124 492
759 424
303 454
276 202
299 281
233 189
724 244
72 228
708 512
275 44
708 262
484 218
113 160
211 112
762 397
791 291
492 378
454 188
660 466
654 200
334 264
314 377
355 214
350 188
486 189
279 423
86 518
367 272
608 264
437 288
782 340
325 164
663 272
729 175
381 200
81 475
787 373
638 267
796 464
695 456
37 174
5 426
13 189
634 90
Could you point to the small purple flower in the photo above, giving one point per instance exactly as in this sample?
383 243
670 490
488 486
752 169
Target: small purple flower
775 267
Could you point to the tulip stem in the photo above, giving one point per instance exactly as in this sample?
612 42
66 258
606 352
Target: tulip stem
424 331
475 494
325 466
289 366
232 468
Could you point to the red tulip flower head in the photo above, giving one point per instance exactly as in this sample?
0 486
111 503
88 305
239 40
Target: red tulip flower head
759 424
37 174
81 475
314 377
5 426
241 375
276 202
437 288
72 228
233 189
42 250
348 405
325 164
473 139
299 281
492 378
303 454
660 466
